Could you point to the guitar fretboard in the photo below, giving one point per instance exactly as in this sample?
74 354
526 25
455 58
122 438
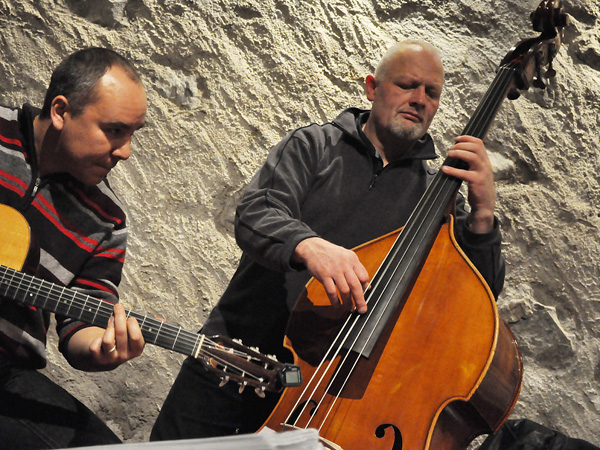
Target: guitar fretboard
32 291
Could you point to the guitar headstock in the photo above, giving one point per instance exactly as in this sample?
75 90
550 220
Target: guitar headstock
232 361
530 56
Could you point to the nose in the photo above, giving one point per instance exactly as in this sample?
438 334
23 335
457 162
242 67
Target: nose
418 96
123 152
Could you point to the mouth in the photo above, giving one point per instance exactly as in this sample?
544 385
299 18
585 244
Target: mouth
412 116
106 169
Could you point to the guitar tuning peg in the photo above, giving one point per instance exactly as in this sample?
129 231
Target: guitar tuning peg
224 381
260 391
242 387
239 341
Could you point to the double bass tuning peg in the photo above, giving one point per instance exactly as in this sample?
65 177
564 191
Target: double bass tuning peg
539 83
550 73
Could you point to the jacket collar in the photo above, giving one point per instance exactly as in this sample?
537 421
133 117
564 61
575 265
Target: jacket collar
350 121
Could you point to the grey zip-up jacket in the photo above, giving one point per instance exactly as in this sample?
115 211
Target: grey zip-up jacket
324 180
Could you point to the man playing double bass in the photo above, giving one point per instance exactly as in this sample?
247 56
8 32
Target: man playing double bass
323 190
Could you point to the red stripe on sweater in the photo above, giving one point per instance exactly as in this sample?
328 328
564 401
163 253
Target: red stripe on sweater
11 141
111 255
16 181
98 286
84 243
84 198
11 187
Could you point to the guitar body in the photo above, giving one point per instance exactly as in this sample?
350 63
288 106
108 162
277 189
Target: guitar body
16 238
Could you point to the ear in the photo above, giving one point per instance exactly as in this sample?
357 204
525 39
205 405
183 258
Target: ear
370 86
58 109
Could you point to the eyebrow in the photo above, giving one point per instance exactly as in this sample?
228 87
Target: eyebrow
124 125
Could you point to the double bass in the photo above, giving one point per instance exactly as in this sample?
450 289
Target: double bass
430 365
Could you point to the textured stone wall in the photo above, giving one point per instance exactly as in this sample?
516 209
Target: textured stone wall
226 79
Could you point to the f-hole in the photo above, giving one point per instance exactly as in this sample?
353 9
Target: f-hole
380 432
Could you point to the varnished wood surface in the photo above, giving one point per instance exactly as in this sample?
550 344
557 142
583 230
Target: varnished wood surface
15 242
436 352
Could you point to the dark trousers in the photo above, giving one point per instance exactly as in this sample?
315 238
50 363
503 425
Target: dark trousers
36 413
196 407
524 434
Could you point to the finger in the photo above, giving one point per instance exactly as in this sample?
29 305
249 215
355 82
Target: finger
476 151
362 274
108 339
467 138
464 154
461 174
365 283
343 286
331 290
475 158
359 285
120 327
135 338
359 296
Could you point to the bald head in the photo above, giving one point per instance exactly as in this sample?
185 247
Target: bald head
397 50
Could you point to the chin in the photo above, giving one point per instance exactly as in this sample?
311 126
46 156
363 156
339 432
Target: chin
90 181
408 134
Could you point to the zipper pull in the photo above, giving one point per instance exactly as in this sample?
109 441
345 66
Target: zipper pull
36 186
373 180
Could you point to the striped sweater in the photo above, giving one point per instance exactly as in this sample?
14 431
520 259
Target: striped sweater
80 232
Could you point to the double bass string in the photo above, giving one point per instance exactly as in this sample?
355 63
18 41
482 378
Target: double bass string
495 95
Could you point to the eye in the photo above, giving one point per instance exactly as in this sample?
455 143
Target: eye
114 132
434 94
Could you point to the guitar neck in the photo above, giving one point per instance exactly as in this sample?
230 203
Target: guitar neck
32 291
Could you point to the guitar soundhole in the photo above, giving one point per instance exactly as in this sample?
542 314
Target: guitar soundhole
381 430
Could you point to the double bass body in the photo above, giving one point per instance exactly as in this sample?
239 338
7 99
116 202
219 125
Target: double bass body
444 370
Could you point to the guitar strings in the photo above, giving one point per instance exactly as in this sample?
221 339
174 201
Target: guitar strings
81 302
24 286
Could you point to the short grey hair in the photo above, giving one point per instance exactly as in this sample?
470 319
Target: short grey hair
384 63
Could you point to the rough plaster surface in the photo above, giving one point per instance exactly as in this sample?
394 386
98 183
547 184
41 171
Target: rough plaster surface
226 79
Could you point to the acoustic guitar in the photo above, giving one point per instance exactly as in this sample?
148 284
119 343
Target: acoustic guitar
228 358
